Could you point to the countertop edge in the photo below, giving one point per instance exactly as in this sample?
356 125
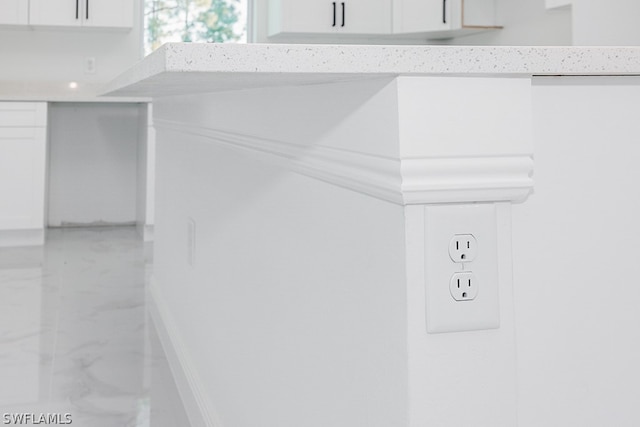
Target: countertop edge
274 62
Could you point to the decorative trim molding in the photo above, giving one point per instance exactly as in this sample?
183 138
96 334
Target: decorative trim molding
196 402
376 176
467 179
399 181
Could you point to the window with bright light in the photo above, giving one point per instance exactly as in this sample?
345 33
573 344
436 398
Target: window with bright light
204 21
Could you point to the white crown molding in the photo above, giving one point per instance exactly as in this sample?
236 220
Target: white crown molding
399 181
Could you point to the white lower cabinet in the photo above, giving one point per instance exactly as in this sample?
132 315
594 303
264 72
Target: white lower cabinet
22 172
14 12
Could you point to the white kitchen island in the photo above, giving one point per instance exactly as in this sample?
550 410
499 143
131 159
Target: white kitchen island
307 198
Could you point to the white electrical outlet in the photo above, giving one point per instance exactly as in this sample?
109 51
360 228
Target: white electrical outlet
464 286
461 249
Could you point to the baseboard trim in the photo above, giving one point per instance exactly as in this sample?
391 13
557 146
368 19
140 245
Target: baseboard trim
34 237
197 404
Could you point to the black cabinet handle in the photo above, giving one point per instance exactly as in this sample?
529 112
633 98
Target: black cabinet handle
87 9
343 14
334 14
77 9
444 11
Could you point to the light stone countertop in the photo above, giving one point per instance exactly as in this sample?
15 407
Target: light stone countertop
183 68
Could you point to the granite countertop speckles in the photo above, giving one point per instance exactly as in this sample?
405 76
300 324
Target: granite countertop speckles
221 67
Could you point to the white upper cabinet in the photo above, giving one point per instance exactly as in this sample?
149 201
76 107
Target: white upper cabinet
443 18
416 16
14 12
56 12
322 17
82 13
108 13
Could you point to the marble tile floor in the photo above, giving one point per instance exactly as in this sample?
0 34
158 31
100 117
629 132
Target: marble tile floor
75 335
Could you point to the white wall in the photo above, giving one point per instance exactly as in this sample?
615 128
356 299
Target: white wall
574 250
92 163
606 22
59 55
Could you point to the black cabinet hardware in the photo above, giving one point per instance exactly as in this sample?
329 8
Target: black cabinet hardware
343 14
334 14
444 11
77 9
87 9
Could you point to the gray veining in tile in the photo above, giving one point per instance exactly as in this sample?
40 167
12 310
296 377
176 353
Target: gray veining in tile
75 336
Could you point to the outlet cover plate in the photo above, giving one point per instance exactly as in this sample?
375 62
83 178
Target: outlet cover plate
444 313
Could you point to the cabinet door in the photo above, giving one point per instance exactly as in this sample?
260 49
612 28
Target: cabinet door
14 12
315 16
22 164
329 17
365 16
416 16
108 13
67 13
22 178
